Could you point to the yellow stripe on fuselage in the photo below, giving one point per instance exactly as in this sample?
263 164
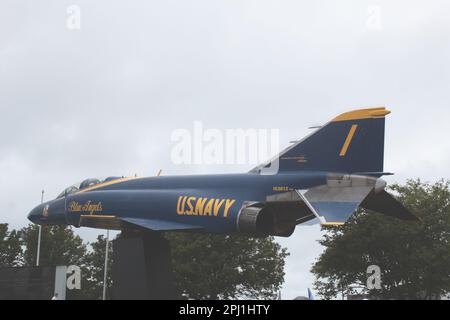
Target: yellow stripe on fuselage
95 216
108 183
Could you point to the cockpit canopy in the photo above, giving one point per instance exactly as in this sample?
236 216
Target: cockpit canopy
84 184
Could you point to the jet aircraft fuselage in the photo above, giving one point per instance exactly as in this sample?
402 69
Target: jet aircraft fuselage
324 177
209 202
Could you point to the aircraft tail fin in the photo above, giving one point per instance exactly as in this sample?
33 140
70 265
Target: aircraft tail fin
352 142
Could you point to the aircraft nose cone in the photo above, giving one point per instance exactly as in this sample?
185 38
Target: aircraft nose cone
36 214
49 213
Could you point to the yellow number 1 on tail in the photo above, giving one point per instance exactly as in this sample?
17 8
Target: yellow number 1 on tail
348 140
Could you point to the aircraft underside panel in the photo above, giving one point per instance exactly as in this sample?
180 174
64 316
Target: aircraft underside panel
160 225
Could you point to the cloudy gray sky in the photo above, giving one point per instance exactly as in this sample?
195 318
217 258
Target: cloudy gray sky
104 100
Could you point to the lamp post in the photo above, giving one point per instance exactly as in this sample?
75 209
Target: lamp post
39 235
106 265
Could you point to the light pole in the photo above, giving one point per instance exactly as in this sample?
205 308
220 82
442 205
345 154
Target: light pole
106 265
39 235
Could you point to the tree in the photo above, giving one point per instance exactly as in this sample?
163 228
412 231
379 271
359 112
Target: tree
95 265
206 266
59 246
210 266
10 247
414 257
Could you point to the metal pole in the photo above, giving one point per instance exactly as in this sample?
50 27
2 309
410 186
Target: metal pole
106 265
39 235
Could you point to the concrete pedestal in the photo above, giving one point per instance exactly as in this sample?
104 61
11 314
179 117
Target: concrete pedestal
142 267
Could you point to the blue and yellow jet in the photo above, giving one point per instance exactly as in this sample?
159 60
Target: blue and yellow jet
325 177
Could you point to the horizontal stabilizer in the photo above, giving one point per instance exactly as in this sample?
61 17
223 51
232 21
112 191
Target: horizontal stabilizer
385 203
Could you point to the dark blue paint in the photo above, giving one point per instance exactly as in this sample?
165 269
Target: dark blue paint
153 201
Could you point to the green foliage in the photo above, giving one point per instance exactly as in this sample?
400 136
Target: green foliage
414 257
59 246
227 266
10 247
95 261
205 266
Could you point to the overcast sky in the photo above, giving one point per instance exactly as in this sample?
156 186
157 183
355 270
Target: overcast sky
105 99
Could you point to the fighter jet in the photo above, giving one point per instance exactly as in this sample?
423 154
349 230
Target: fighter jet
323 178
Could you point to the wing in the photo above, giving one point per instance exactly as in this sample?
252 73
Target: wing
118 223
